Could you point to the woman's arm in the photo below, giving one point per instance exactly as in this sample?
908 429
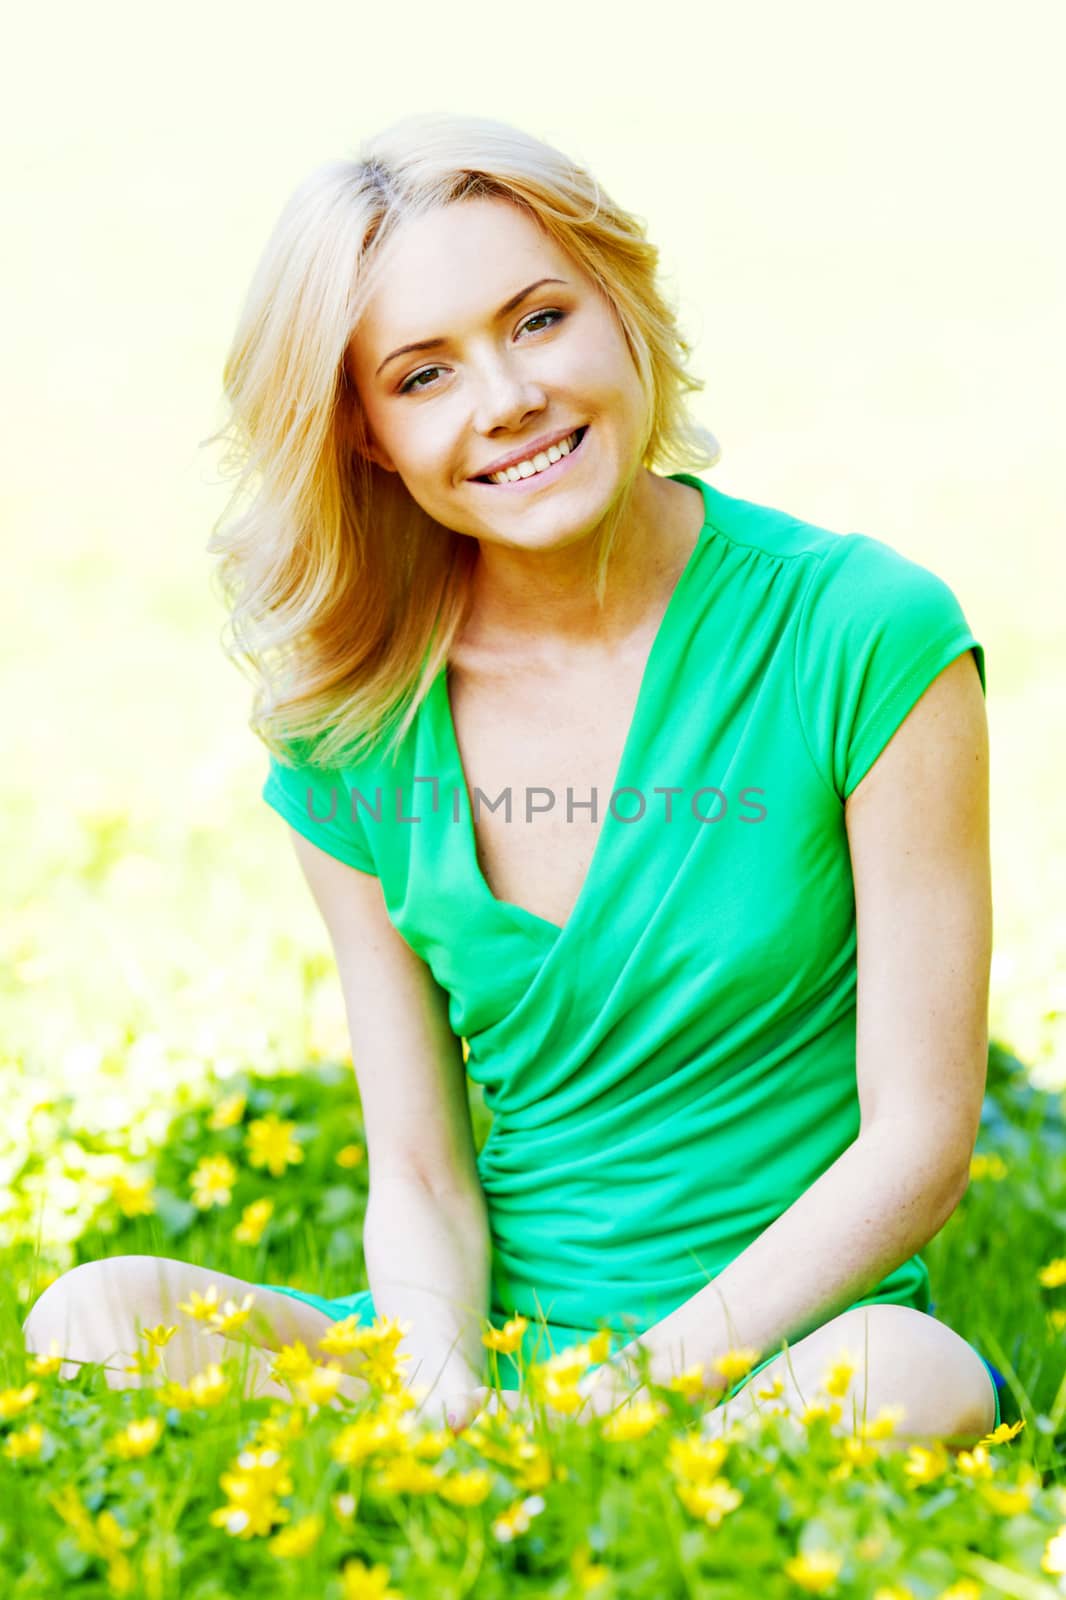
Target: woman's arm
918 831
426 1233
428 1256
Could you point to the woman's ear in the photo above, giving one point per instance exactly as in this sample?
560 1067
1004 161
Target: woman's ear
359 436
375 454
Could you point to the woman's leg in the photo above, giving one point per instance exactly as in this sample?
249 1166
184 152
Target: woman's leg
902 1357
94 1313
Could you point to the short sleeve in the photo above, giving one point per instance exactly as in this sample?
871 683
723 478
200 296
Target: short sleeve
875 629
317 802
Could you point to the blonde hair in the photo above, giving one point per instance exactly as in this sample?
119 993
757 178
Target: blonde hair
344 596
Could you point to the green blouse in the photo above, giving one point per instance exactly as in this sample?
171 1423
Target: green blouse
675 1066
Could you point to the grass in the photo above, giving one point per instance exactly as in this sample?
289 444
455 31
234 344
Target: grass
160 1491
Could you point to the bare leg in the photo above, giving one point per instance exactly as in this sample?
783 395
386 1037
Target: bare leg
913 1361
94 1313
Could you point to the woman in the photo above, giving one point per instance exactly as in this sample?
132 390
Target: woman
672 805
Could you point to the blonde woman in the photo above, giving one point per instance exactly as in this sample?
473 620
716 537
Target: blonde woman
671 805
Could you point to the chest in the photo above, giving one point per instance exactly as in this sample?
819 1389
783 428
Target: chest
540 748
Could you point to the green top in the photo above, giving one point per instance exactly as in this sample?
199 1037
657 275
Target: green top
669 1071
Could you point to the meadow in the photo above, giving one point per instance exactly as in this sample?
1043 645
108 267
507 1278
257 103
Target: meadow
872 299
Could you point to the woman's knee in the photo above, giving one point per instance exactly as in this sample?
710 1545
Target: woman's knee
96 1294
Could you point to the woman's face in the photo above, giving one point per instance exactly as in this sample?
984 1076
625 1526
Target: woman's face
506 374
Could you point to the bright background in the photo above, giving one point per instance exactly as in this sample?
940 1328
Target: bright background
858 213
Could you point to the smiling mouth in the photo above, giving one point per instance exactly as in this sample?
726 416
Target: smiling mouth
580 434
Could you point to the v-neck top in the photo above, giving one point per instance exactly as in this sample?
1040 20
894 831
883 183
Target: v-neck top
676 1065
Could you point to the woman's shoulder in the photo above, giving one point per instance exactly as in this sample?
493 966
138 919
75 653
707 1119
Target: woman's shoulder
753 524
842 574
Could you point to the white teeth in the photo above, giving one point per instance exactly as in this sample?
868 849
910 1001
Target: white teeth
543 458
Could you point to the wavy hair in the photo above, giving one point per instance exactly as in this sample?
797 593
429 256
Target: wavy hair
343 596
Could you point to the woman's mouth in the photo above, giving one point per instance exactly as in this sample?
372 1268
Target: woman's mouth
531 474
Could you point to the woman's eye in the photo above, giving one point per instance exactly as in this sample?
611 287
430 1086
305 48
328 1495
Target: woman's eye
413 383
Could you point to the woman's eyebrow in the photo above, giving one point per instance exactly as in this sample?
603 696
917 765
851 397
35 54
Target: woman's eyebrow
433 344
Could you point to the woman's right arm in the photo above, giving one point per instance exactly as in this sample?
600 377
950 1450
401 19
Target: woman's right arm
426 1233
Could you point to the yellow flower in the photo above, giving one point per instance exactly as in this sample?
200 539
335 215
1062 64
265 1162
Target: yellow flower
271 1145
1054 1558
159 1336
518 1518
254 1219
466 1488
228 1112
883 1426
358 1441
15 1401
1053 1276
232 1315
133 1196
710 1501
1005 1432
1009 1502
210 1387
293 1362
111 1535
923 1465
975 1463
588 1573
536 1470
694 1457
839 1375
565 1367
351 1156
857 1453
508 1338
691 1383
988 1166
138 1438
598 1347
45 1366
298 1539
360 1582
105 1538
816 1410
965 1589
200 1307
144 1361
252 1494
772 1391
894 1591
735 1363
562 1395
816 1572
212 1182
66 1503
633 1420
408 1476
284 1423
1057 1319
342 1338
19 1446
320 1385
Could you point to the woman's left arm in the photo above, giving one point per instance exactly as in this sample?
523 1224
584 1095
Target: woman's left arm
918 833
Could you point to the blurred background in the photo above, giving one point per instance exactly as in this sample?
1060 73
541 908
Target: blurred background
857 218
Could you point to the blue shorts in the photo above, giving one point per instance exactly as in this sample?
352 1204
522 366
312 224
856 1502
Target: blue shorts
361 1305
